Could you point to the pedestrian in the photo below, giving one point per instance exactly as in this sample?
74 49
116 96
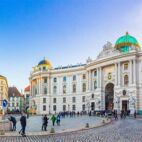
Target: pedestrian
53 119
58 120
23 125
45 122
116 116
13 120
135 114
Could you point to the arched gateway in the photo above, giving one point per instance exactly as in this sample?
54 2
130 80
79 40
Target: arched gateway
109 96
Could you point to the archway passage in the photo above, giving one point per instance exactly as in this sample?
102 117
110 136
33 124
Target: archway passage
109 96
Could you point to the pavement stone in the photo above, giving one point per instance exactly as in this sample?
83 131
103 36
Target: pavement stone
128 130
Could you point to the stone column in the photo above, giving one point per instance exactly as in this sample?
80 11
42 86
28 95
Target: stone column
90 81
97 77
100 77
119 73
116 75
131 70
48 86
134 71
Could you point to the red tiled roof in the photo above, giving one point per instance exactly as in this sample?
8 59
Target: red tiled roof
13 91
27 89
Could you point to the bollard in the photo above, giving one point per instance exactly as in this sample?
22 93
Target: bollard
87 125
52 130
103 121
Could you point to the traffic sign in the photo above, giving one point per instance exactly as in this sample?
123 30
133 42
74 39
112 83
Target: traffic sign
4 103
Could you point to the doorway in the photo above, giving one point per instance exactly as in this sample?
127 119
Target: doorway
109 96
125 105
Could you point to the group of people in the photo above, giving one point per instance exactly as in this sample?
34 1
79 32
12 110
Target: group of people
54 120
23 122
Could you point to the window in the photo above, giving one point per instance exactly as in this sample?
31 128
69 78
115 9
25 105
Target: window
74 88
64 107
55 89
64 89
73 99
35 91
44 107
55 79
95 73
17 104
44 100
54 100
95 85
74 78
83 107
84 76
54 108
73 107
64 79
45 80
126 66
84 87
44 68
13 105
45 90
92 96
83 98
126 80
64 100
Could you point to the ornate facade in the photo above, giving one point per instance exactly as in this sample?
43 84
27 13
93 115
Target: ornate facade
3 91
112 81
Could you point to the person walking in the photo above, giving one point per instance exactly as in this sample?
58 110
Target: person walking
58 120
53 119
135 114
45 122
23 124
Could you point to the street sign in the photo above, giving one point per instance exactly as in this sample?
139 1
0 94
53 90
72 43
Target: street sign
4 103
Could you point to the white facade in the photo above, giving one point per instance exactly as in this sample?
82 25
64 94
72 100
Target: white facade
103 81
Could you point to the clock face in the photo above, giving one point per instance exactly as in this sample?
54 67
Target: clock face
109 76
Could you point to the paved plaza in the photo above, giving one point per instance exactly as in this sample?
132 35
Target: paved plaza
34 123
128 130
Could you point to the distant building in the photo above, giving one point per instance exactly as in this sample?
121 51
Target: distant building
3 90
27 96
16 99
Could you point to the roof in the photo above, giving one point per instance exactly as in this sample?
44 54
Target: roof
126 40
45 62
14 92
27 89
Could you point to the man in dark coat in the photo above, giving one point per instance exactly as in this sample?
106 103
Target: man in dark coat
45 122
23 124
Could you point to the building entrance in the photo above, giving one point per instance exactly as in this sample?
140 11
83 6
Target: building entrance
109 96
125 105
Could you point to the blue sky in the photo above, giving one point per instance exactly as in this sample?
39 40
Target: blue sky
64 31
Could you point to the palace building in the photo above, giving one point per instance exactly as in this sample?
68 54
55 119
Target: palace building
112 81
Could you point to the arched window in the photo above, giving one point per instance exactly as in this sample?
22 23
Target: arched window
84 87
95 84
55 89
45 90
64 89
126 80
74 77
74 88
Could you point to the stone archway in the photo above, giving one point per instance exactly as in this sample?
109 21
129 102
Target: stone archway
109 96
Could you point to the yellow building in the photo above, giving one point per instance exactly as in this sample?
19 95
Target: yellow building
3 91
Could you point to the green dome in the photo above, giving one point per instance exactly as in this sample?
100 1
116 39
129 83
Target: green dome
126 40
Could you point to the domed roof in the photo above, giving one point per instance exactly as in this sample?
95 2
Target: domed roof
126 40
45 62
